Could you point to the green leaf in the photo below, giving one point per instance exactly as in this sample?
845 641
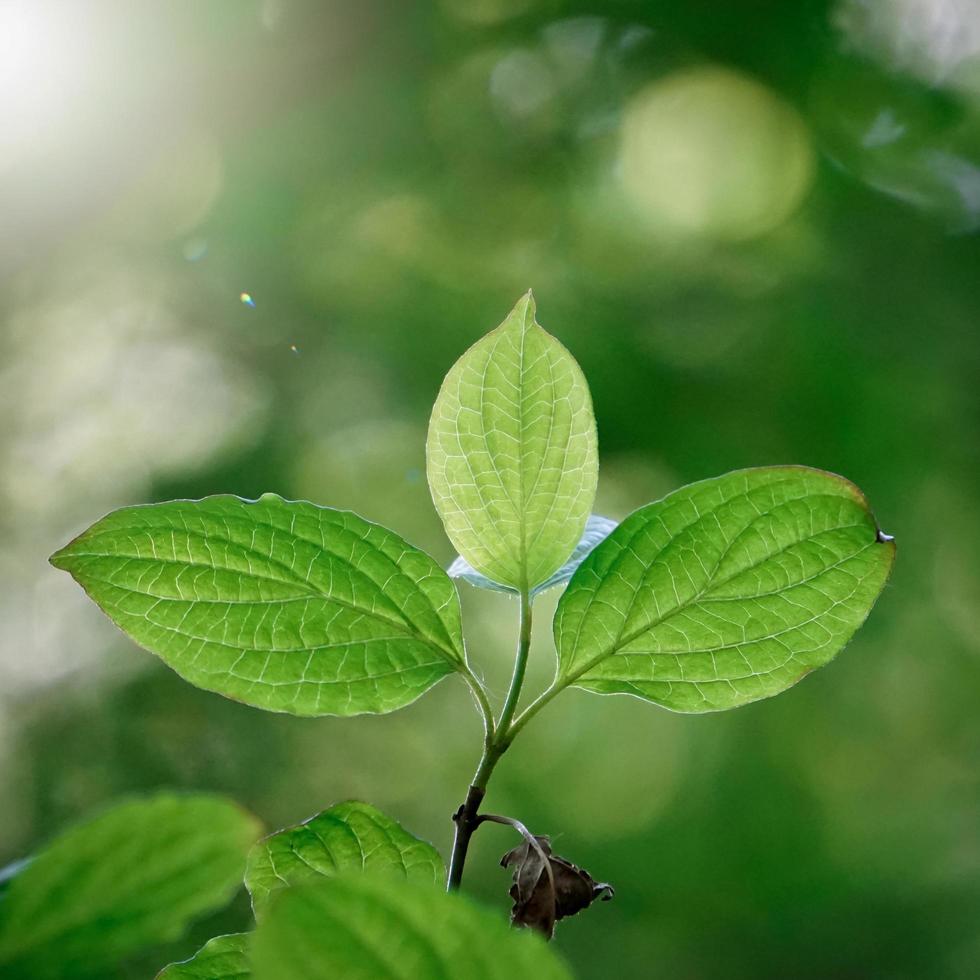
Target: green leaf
223 958
282 605
366 928
350 836
130 878
512 460
596 529
724 592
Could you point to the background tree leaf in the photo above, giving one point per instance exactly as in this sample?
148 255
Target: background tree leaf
132 877
349 836
596 529
726 591
282 605
223 958
366 928
512 460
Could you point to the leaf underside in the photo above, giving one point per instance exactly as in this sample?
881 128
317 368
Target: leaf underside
350 836
132 877
511 453
367 928
596 529
282 605
724 592
223 958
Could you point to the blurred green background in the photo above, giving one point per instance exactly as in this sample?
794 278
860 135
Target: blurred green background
754 224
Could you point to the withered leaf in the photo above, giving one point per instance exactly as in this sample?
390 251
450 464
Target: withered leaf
540 899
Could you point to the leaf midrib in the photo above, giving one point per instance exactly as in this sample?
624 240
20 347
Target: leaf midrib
313 649
624 640
403 625
730 646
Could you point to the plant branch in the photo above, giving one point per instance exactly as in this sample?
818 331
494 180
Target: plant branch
497 741
466 818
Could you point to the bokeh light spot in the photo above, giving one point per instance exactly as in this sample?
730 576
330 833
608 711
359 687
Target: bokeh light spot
711 152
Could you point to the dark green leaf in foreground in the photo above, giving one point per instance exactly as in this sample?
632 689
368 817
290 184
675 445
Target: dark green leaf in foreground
726 591
130 878
511 453
596 529
223 958
350 836
366 928
283 605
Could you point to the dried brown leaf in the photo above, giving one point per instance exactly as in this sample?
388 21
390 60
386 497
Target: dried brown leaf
540 899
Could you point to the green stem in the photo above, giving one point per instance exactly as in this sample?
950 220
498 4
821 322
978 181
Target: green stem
482 702
533 708
498 740
520 668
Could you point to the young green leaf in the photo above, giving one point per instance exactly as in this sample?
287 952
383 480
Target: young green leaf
596 529
350 836
724 592
222 958
366 928
282 605
132 877
512 459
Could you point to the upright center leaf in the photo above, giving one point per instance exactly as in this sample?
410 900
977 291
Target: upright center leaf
512 459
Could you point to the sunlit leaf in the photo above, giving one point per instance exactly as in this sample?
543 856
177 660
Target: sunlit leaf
512 459
350 836
130 878
366 928
223 958
283 605
724 592
596 529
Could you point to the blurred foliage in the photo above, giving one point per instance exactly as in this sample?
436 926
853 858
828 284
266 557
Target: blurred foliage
384 179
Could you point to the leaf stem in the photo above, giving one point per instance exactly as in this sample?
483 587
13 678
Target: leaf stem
532 843
533 708
482 702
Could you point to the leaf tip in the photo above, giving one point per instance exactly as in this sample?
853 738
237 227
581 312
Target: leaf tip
524 311
60 559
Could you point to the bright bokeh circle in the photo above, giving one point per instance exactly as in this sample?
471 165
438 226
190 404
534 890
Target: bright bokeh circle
711 152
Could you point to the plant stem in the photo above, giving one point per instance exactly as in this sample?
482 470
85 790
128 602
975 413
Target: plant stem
520 668
497 741
466 817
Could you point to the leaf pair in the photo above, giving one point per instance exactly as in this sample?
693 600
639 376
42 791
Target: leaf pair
726 591
350 893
